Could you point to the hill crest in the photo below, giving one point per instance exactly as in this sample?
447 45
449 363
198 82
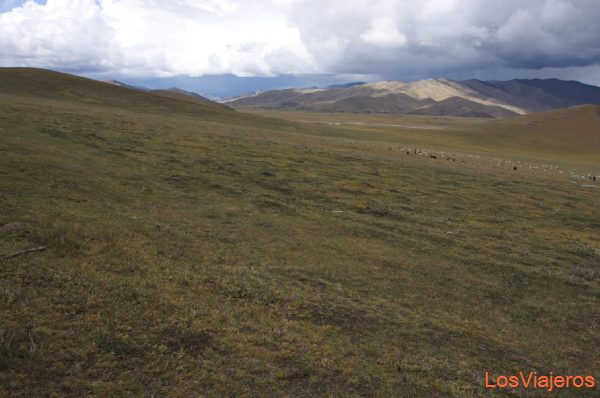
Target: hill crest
58 86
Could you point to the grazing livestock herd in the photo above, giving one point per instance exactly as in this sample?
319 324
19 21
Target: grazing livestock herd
515 165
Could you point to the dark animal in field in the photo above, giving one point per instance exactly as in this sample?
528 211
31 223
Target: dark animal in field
514 168
433 156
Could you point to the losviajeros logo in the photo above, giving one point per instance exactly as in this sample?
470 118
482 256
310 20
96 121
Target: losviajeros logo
533 380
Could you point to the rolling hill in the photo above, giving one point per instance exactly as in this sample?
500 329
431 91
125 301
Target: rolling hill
184 95
51 85
579 125
186 249
172 92
434 97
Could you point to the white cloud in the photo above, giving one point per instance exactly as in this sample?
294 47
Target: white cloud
383 33
153 37
270 37
60 33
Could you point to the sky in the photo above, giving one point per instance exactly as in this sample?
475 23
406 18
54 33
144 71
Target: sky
229 47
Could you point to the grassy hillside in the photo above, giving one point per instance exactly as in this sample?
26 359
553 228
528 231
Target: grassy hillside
55 86
578 125
202 252
570 135
185 96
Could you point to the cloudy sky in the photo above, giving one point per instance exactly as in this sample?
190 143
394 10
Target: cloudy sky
224 47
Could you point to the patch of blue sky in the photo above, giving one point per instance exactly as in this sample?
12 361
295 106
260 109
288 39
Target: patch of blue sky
7 5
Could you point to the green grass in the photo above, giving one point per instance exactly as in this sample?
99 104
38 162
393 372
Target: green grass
568 137
222 254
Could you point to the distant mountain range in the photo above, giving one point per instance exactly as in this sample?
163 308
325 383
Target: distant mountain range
173 92
434 97
118 83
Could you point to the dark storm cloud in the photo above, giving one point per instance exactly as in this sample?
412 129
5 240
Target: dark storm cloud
447 35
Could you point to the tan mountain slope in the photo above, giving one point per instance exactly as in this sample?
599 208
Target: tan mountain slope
438 90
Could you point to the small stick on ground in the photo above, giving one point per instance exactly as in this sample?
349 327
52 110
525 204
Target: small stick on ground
34 249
